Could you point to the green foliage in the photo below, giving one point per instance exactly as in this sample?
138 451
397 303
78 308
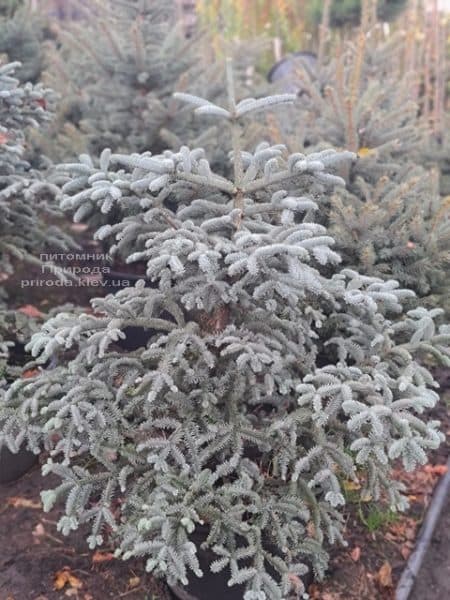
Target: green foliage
21 40
398 228
375 518
25 195
438 154
8 7
269 377
358 100
117 70
390 221
345 13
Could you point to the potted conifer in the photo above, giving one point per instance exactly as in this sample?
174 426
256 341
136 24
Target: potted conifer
271 377
26 198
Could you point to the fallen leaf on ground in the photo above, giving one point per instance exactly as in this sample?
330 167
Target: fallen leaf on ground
384 575
134 582
356 553
366 497
314 591
65 578
351 485
30 311
362 152
18 502
99 557
405 551
39 531
436 469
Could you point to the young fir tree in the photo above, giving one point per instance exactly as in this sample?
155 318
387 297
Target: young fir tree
347 13
358 98
129 56
390 219
270 375
8 7
22 35
382 231
28 202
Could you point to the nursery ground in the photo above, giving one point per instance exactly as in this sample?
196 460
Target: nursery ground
380 542
37 563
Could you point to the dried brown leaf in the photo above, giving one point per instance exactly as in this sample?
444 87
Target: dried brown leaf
355 554
100 557
384 575
64 578
405 551
19 502
30 311
134 582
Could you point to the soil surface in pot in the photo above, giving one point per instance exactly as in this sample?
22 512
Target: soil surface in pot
120 275
32 284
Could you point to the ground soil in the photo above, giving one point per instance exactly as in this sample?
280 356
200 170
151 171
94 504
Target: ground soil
33 284
35 558
371 565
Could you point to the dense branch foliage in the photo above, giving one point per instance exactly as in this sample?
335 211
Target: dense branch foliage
269 378
28 202
390 220
117 68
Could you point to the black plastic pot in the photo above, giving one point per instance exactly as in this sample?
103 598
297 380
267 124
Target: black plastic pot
213 586
285 71
136 337
13 466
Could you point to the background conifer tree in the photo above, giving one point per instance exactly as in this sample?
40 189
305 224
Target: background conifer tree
390 220
345 13
22 35
28 202
129 57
